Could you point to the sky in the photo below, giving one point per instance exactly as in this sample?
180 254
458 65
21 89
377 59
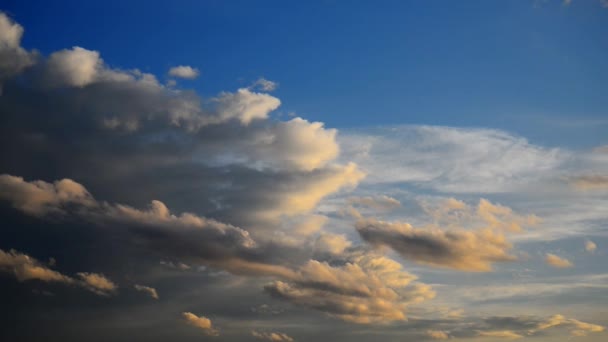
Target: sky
304 171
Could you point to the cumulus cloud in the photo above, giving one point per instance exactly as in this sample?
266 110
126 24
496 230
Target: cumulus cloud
271 336
556 261
150 291
77 67
184 71
200 322
456 246
13 58
369 289
590 246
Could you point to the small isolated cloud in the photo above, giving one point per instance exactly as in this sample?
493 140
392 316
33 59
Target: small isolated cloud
272 336
437 334
200 322
590 246
508 334
97 283
184 71
264 84
556 261
150 291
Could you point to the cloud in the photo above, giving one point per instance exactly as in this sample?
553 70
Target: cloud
379 203
13 58
150 291
271 336
97 283
437 334
590 246
590 182
264 84
454 247
577 328
201 322
332 243
448 159
24 267
245 106
558 262
77 67
370 289
184 71
500 334
186 234
41 198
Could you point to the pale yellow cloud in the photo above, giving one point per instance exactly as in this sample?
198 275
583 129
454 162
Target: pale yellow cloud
272 336
556 261
200 322
508 334
370 289
577 328
590 246
590 182
457 249
38 197
332 243
437 334
456 245
306 195
97 283
150 291
24 267
309 225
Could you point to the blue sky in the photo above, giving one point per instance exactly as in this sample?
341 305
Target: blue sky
308 171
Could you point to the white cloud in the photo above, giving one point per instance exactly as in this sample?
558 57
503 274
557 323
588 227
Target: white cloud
449 159
264 84
184 71
77 67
